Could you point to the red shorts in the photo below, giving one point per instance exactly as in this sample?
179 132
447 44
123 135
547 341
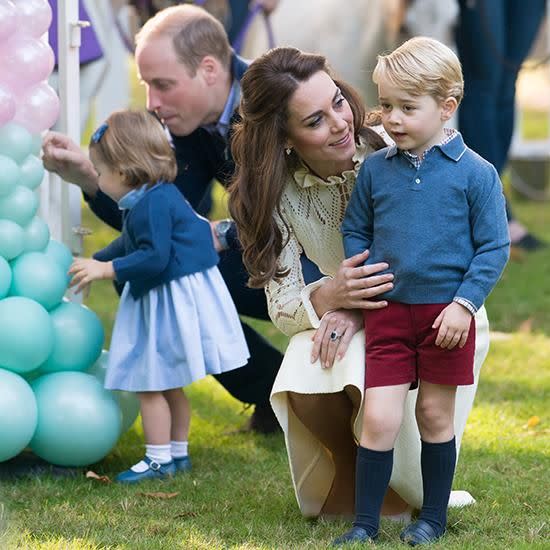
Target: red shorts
400 348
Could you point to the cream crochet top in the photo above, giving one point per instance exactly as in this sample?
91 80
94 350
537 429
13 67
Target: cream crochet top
314 209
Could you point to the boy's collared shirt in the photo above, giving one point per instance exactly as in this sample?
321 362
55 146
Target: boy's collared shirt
416 160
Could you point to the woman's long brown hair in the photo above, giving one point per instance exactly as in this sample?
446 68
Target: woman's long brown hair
262 167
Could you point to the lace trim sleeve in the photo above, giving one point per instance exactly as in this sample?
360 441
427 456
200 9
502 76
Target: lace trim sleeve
284 298
306 293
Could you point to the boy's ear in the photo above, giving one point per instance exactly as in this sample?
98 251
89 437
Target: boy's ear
449 107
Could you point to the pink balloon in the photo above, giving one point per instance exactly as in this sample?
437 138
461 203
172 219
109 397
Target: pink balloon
34 16
24 61
8 17
37 110
7 106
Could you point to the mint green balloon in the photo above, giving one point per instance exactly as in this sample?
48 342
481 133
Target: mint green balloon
99 368
36 144
60 253
39 277
78 420
18 414
10 174
127 401
26 334
12 239
78 338
37 235
31 375
31 172
5 277
15 142
129 407
19 206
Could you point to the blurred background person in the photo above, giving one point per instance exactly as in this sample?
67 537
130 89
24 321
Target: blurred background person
494 38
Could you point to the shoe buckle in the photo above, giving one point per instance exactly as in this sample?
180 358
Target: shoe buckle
155 466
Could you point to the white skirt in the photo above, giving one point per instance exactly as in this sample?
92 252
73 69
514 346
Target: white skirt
311 466
175 334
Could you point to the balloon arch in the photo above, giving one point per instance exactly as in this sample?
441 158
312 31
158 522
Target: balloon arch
51 361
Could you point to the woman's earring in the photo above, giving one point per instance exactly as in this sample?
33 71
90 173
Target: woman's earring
288 150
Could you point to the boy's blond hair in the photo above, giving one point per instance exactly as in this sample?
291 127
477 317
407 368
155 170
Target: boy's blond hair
195 34
422 66
135 144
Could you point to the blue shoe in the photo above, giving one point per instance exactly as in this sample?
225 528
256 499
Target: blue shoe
420 532
183 464
154 471
354 535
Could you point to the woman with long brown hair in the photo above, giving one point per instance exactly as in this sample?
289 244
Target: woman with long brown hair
298 149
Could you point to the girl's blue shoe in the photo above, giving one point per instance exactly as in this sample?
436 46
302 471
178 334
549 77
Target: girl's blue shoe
153 471
182 464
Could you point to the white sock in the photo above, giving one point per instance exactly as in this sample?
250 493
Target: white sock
158 453
179 449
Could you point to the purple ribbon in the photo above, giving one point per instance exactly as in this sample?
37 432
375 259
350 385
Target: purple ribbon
90 49
239 41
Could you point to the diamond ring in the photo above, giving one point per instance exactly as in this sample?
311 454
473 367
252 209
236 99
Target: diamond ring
334 336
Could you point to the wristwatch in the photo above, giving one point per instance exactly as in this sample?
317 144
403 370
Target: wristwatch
222 227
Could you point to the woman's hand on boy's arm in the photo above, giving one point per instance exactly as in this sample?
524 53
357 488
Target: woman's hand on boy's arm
453 324
354 286
85 270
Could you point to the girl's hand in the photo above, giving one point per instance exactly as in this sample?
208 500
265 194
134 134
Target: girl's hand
86 270
454 324
342 324
355 284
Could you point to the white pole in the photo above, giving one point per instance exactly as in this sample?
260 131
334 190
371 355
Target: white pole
60 201
69 120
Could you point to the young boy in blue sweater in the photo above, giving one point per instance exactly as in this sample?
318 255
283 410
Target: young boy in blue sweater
434 210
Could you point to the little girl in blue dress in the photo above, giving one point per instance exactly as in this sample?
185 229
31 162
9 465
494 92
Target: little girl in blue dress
176 321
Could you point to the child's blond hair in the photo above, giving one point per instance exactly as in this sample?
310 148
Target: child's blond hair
135 144
422 66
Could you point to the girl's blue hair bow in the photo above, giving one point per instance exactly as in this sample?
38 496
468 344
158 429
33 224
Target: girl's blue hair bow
98 134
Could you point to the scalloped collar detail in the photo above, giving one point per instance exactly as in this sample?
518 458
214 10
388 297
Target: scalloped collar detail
304 178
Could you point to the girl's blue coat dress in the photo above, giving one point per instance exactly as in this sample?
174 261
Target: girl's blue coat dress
176 321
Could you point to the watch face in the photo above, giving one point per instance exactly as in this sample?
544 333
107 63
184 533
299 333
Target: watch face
221 232
223 227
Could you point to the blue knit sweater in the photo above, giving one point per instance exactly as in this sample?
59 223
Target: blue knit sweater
162 239
441 228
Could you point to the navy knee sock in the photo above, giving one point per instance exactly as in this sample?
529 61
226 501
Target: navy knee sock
438 462
373 472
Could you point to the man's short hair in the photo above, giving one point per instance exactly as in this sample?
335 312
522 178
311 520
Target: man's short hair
195 34
422 66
